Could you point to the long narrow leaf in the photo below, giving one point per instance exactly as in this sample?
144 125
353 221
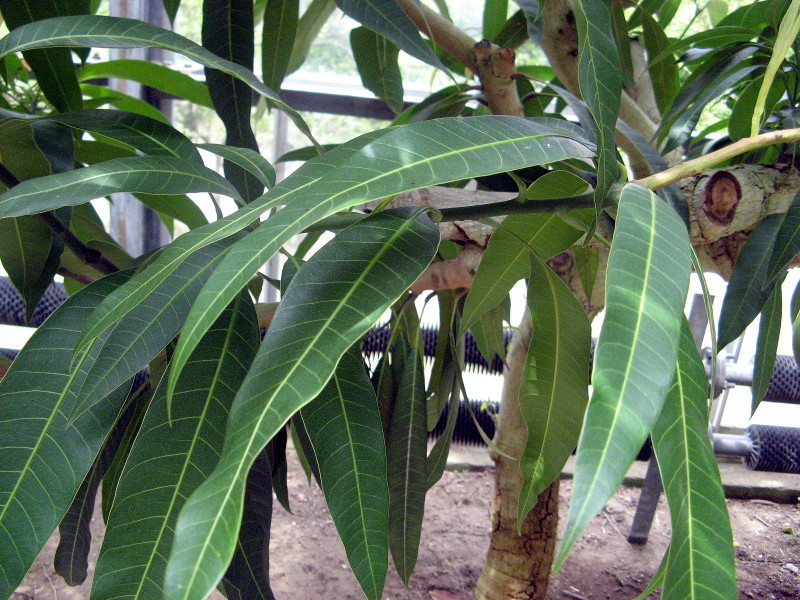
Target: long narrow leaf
700 564
35 435
140 526
329 305
248 159
787 242
769 332
154 175
401 159
555 386
278 34
646 286
114 32
344 426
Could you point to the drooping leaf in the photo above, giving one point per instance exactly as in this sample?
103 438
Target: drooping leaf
663 73
745 295
140 526
171 6
71 559
769 331
151 74
150 174
278 467
228 32
247 576
442 150
344 426
646 286
600 77
376 59
53 67
489 335
507 257
349 283
308 28
114 32
35 435
555 385
144 332
387 18
700 563
148 135
787 242
279 33
406 454
248 159
443 371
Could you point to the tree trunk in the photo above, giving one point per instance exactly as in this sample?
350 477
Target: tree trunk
517 567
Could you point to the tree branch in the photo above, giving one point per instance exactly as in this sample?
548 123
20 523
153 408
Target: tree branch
87 255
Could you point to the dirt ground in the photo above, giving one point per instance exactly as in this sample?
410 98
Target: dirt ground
308 561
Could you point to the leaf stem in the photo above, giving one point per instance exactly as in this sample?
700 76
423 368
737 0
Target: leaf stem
87 255
697 165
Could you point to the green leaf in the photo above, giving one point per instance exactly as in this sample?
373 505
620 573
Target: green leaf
278 34
347 285
171 6
494 17
279 471
140 526
35 435
308 28
388 19
746 295
247 576
507 258
787 242
228 32
555 385
71 559
154 175
344 425
600 77
663 73
787 36
397 160
248 159
176 206
700 562
514 32
376 59
54 70
658 578
443 371
144 332
113 32
646 286
406 454
151 74
489 335
739 119
766 346
150 136
101 95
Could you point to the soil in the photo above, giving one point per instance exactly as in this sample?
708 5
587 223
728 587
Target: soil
308 561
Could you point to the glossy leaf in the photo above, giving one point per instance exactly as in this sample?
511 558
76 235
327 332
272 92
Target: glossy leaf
507 257
406 453
279 33
787 242
151 74
646 287
248 159
376 60
247 576
344 426
150 136
745 295
397 160
144 332
600 76
53 67
227 31
555 387
113 32
769 332
35 435
388 19
700 562
141 523
349 283
155 175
